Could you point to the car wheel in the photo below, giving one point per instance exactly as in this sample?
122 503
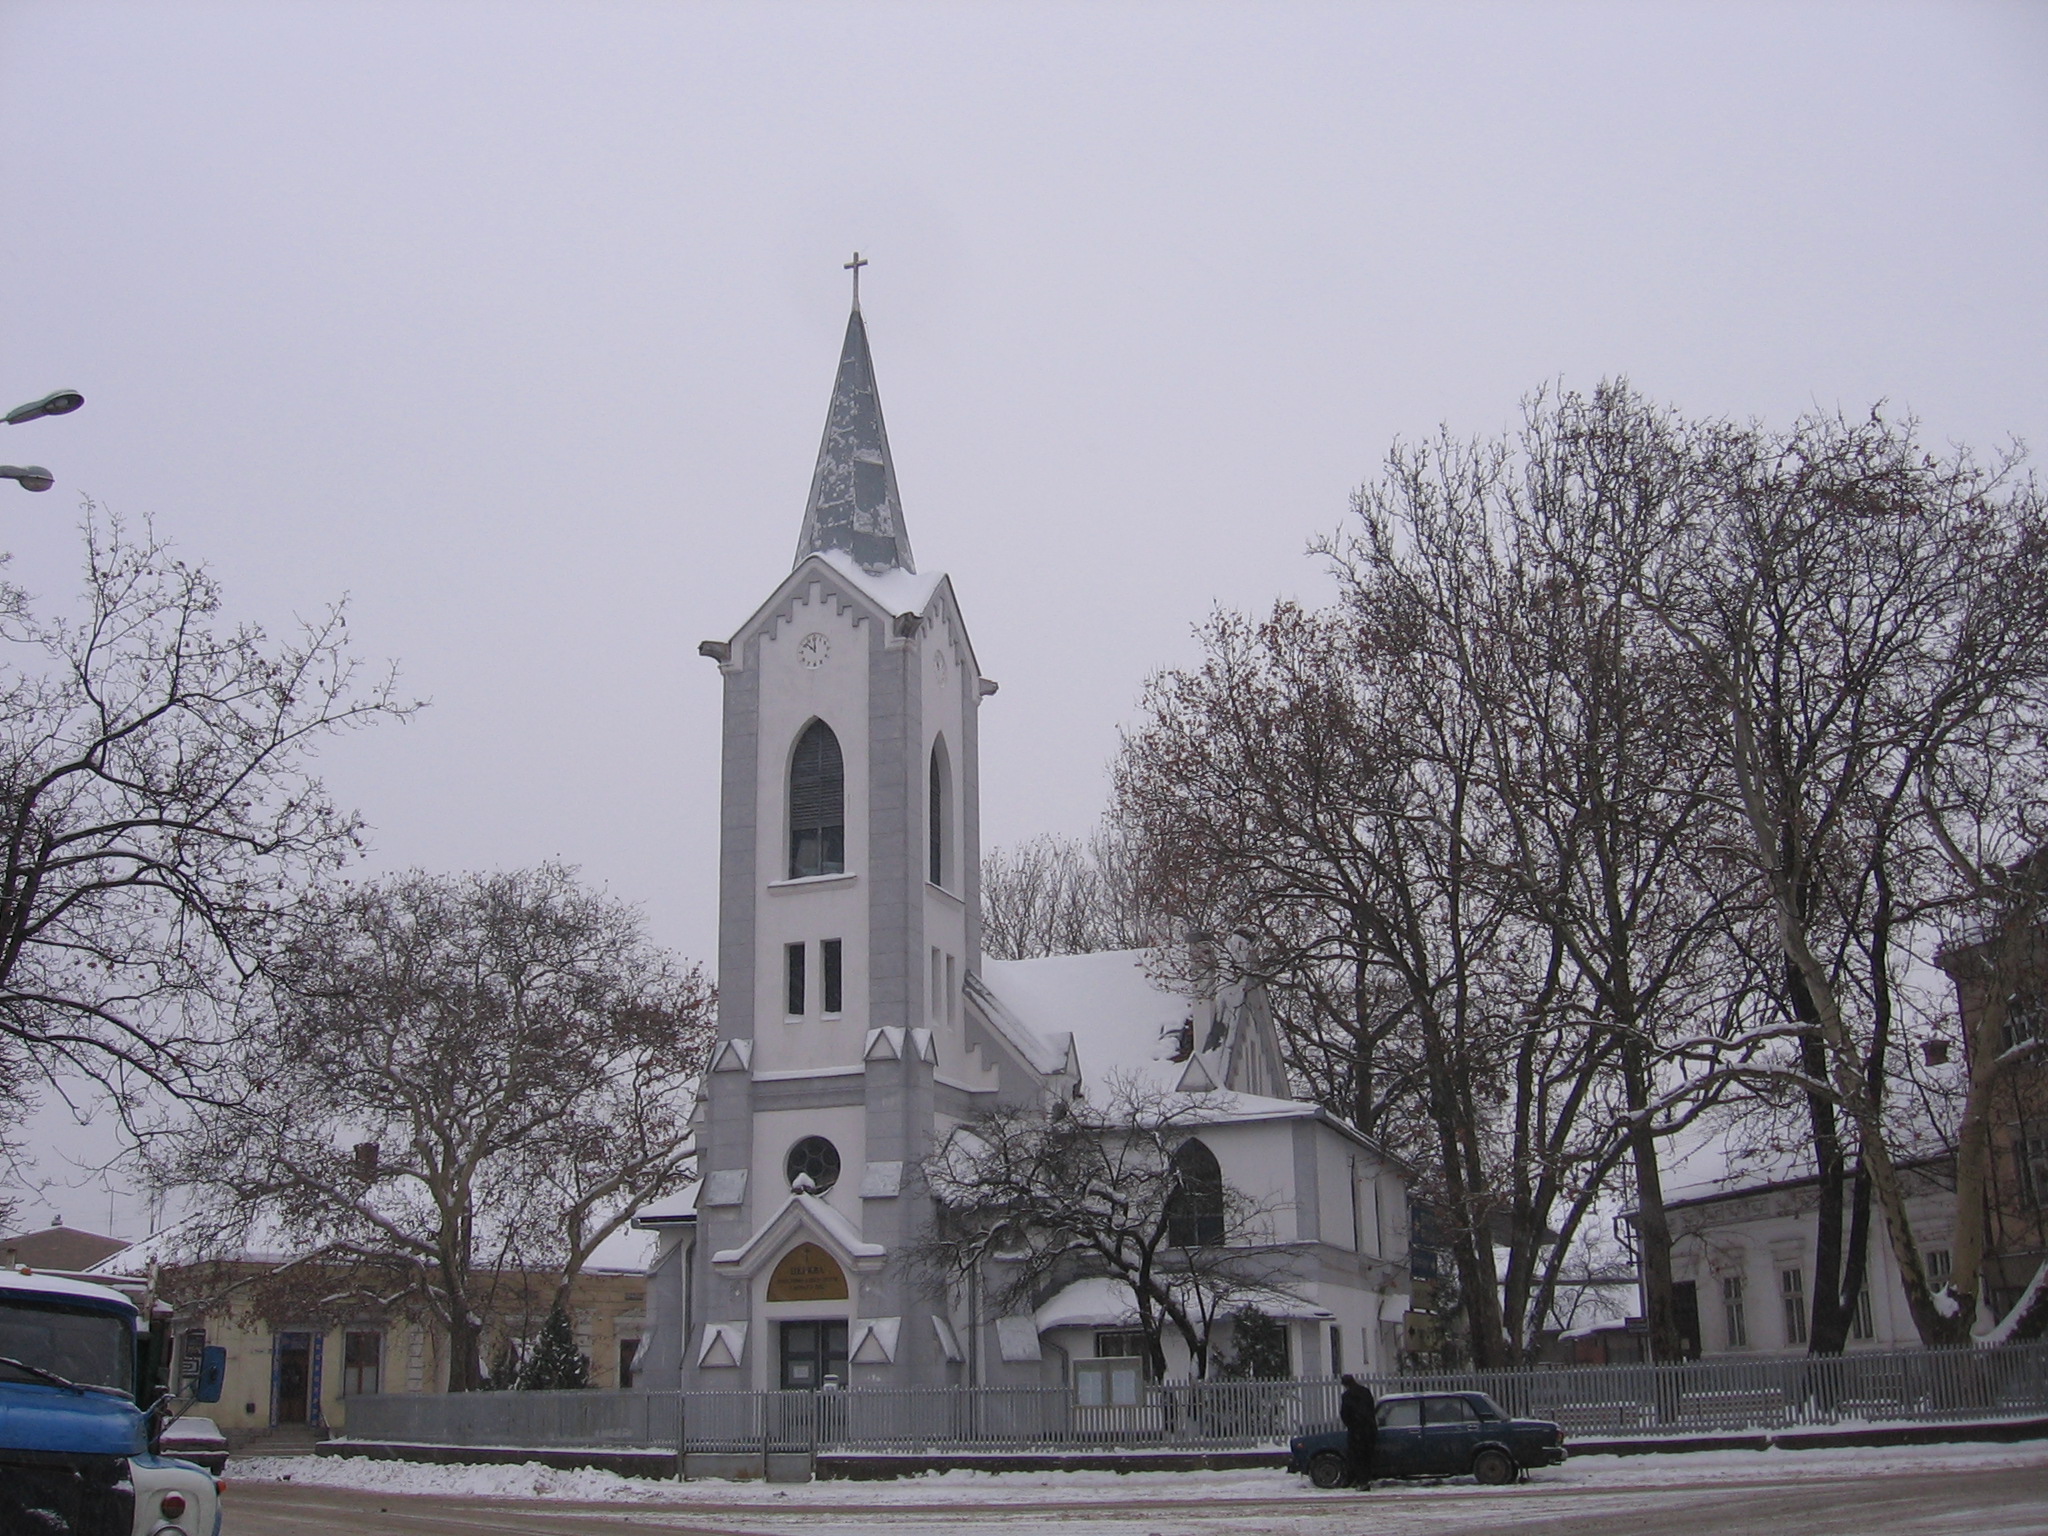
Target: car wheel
1326 1469
1494 1466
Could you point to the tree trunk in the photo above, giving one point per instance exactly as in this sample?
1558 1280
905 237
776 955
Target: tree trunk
1471 1242
465 1337
1829 1328
1149 1320
1986 1046
1874 1155
1653 1226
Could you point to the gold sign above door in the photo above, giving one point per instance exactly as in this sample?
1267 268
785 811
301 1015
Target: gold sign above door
807 1273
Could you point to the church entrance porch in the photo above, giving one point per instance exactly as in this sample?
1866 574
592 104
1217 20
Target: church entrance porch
812 1352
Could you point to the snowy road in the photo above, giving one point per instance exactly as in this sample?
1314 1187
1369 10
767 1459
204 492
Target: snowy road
1985 1490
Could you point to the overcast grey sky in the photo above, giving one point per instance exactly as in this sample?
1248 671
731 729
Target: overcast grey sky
516 322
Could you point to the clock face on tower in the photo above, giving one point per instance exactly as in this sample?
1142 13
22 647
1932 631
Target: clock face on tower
813 649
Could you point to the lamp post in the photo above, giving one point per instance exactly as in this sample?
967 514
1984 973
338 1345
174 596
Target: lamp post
33 477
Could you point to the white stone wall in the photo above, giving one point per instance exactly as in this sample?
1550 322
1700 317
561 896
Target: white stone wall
1757 1237
826 907
945 670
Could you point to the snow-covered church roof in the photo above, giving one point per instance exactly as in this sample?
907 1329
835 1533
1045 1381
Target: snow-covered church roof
1128 1025
895 590
1122 1020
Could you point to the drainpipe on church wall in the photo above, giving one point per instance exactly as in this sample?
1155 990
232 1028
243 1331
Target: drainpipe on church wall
689 1304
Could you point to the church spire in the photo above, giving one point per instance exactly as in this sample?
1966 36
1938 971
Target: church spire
853 503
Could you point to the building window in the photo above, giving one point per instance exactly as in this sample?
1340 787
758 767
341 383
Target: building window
191 1349
1336 1350
628 1350
939 851
2033 1155
816 1158
1194 1210
938 985
817 804
1116 1377
1939 1266
793 972
1792 1294
1861 1324
1121 1344
830 962
362 1364
1111 1382
2026 1018
952 990
1732 1307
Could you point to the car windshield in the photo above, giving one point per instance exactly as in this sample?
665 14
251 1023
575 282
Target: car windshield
1485 1406
85 1345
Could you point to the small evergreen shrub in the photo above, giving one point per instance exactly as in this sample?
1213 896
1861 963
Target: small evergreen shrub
555 1364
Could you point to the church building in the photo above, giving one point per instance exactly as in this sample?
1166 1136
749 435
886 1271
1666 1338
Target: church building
859 1022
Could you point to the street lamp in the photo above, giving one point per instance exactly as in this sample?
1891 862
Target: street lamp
62 403
33 477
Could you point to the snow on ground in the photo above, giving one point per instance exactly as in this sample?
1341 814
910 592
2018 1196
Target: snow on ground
533 1481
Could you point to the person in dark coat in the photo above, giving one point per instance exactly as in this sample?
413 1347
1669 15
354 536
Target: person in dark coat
1361 1418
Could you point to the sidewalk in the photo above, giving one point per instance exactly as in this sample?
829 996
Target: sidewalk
867 1465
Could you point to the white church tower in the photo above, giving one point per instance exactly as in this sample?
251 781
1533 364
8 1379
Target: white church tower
848 930
858 1023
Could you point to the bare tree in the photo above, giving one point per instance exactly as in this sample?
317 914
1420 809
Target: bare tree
1066 896
158 813
1041 1195
1311 785
1863 613
1637 768
460 1077
1518 560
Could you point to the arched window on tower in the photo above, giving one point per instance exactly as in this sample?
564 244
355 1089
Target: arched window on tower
1194 1208
817 804
940 863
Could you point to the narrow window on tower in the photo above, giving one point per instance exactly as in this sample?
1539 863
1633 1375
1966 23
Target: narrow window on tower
940 830
829 963
952 990
817 804
793 958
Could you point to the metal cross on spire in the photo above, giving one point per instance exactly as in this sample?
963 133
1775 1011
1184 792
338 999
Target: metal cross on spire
854 267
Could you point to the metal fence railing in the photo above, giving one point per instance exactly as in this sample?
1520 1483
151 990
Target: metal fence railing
520 1420
1187 1416
1723 1395
1685 1398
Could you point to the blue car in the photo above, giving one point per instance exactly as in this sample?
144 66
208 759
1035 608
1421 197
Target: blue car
1434 1434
